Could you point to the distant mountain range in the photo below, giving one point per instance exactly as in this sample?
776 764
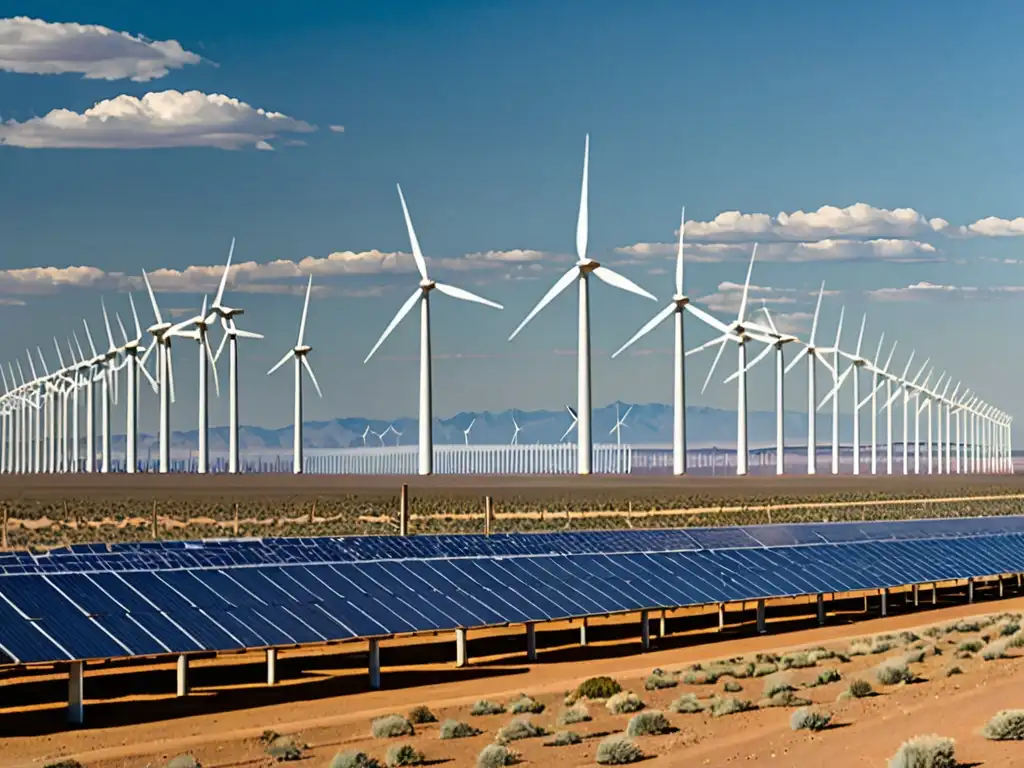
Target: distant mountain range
646 424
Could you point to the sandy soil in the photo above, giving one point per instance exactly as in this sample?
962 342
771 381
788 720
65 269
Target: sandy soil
313 705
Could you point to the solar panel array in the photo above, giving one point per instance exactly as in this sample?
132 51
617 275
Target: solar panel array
100 601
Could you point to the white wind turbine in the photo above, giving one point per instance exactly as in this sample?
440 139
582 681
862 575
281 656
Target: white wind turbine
836 383
422 296
231 335
904 386
516 430
66 386
365 433
579 273
676 308
876 374
200 333
948 406
132 347
812 352
165 375
395 432
298 354
853 369
620 422
780 341
739 331
918 407
466 431
379 435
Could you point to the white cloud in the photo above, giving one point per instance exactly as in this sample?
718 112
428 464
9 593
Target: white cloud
857 220
6 302
44 280
264 146
925 291
883 249
337 128
729 295
993 226
792 322
36 47
160 119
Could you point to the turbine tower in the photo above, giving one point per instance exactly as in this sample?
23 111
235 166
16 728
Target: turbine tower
298 354
365 433
465 432
856 361
132 348
812 352
580 273
165 375
422 296
619 424
676 308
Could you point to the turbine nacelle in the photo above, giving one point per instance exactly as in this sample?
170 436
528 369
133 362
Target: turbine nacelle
303 349
587 265
680 300
427 285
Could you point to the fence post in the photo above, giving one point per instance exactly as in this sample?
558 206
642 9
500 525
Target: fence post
403 511
488 513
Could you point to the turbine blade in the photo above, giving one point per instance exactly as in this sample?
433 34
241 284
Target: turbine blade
241 334
220 347
566 433
170 370
679 256
78 344
706 318
839 328
309 370
714 365
572 412
707 345
835 389
402 312
616 280
224 277
864 402
796 359
653 323
88 336
563 282
287 355
768 317
120 325
817 309
583 222
760 356
305 310
417 254
152 298
149 376
878 352
60 357
147 353
860 336
464 295
746 286
106 323
213 362
135 318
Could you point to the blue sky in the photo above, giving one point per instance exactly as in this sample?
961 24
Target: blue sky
479 111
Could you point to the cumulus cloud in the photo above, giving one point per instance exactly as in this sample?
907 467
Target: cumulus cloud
337 128
157 120
44 280
36 47
830 249
792 322
925 291
729 295
993 226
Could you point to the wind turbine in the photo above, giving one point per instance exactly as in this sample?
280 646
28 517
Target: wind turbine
948 405
395 432
619 424
740 331
231 335
379 435
876 385
37 391
165 375
676 308
516 430
780 340
918 407
580 273
904 386
465 432
298 354
365 433
812 352
573 423
132 348
836 383
422 296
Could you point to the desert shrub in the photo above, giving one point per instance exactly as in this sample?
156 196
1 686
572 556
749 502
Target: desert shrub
525 705
821 654
827 676
618 750
786 698
564 739
658 680
577 713
1008 628
649 723
914 657
390 727
602 687
881 646
763 670
269 736
454 729
353 758
907 637
67 763
796 661
284 749
518 729
742 671
486 707
1007 725
893 672
624 703
859 648
420 715
729 705
807 719
925 752
766 658
731 686
1016 641
778 685
494 756
993 651
860 689
954 670
687 704
403 754
183 761
965 626
970 646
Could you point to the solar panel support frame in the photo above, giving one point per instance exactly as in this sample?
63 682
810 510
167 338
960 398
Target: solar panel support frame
970 589
645 629
461 657
760 617
821 608
583 632
531 641
271 666
374 663
76 692
182 675
884 595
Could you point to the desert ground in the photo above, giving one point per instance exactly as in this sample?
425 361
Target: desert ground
322 702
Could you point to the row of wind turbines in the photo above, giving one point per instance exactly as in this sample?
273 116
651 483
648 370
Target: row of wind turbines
35 419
